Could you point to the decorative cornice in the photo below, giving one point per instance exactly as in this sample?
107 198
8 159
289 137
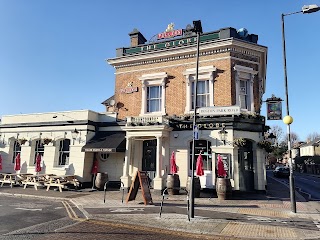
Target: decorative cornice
207 48
248 55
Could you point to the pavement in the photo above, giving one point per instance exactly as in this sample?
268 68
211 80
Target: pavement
245 216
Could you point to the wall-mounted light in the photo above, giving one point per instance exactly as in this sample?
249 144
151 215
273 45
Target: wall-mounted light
74 134
223 135
69 121
176 135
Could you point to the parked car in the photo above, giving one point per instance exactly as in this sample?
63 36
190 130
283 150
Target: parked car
281 172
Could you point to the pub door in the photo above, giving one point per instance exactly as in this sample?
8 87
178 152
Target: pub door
246 174
149 158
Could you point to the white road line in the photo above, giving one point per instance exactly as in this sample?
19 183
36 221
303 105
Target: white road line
30 209
127 210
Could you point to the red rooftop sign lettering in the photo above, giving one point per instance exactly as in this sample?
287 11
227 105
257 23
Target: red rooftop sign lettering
170 34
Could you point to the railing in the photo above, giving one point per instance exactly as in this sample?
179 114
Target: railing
147 120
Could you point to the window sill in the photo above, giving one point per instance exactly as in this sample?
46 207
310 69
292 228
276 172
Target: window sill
153 114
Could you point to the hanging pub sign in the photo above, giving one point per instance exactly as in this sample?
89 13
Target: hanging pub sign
274 108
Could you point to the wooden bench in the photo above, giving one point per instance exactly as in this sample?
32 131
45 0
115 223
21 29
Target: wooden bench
9 178
32 180
61 181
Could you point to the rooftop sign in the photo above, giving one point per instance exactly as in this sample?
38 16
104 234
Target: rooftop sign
170 32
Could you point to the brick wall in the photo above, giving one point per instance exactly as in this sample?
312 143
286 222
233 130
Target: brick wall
224 85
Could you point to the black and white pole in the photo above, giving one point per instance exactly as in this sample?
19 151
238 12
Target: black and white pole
198 29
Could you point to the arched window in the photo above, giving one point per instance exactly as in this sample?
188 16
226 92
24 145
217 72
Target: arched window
64 151
39 148
204 147
16 150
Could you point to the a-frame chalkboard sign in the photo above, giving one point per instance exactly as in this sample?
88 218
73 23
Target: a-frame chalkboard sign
140 179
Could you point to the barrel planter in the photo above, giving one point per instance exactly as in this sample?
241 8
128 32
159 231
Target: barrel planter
197 186
229 189
223 188
173 184
101 179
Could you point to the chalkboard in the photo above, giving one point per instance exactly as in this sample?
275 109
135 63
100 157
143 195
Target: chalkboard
133 189
145 187
140 179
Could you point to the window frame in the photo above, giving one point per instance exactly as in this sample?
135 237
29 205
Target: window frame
204 74
38 148
16 150
64 152
157 99
150 80
245 74
206 154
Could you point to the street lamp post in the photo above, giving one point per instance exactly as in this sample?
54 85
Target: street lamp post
197 28
288 119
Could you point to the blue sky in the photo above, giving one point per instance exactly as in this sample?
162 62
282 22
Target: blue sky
52 53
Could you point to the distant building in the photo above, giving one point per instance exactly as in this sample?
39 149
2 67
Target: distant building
310 148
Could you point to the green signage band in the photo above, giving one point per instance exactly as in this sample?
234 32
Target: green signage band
168 44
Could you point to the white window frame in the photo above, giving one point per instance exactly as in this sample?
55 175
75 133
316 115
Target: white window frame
245 74
149 80
204 74
62 152
16 150
38 148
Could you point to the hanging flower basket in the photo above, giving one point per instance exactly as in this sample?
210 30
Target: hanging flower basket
46 141
22 141
239 142
266 145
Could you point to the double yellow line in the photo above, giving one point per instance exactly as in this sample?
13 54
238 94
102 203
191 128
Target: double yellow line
71 213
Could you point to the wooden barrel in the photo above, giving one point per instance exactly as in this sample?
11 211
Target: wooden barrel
173 184
229 189
197 186
100 180
223 188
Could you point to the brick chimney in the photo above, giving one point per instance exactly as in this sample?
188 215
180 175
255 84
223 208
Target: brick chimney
136 38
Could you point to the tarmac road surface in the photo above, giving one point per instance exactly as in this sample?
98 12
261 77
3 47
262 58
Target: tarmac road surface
94 229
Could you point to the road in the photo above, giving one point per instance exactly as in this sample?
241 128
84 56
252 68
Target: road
307 185
19 213
32 218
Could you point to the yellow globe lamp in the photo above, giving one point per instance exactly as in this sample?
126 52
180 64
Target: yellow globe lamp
288 120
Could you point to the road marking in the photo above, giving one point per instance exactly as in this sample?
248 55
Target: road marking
127 210
71 213
30 209
265 219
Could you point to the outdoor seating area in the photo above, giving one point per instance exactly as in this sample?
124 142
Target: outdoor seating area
39 180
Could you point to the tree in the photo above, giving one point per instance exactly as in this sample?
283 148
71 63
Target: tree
278 132
313 136
294 138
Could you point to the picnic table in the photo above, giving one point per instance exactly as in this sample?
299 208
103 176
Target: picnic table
61 181
37 180
12 178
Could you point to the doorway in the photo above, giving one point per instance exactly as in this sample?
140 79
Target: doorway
149 158
246 174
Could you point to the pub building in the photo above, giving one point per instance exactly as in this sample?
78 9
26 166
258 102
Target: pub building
154 86
151 114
